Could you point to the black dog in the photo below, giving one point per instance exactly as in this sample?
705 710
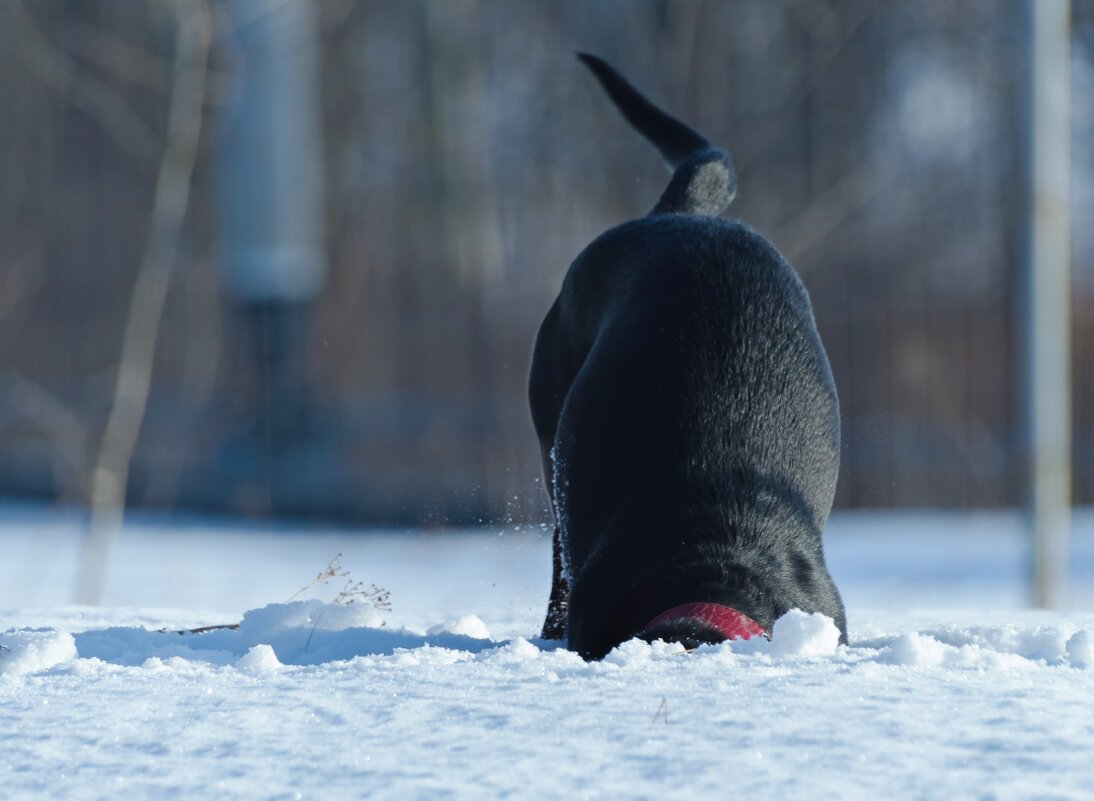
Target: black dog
687 418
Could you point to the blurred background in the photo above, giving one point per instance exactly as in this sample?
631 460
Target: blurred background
289 258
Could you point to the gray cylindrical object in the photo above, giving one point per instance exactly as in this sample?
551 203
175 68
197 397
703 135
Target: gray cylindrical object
271 233
1048 329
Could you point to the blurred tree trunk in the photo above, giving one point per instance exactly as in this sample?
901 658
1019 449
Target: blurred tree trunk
110 475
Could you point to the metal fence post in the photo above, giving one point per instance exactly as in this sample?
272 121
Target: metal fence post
1047 331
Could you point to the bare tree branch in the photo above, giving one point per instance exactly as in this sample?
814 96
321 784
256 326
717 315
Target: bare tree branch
56 69
127 63
824 216
67 433
111 473
835 45
117 58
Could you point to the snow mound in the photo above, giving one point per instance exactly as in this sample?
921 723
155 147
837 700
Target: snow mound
308 614
516 650
1080 649
796 634
916 650
261 659
467 625
315 633
298 633
34 650
1007 645
1047 643
799 633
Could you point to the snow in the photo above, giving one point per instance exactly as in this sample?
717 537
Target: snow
471 625
800 634
35 650
949 687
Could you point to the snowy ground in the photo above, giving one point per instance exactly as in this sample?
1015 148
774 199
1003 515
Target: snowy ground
949 689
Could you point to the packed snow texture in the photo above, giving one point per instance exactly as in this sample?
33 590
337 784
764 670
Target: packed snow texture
450 694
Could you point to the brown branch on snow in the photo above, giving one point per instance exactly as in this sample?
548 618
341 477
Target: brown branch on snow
201 629
111 472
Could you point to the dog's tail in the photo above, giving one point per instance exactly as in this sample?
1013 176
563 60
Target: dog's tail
703 181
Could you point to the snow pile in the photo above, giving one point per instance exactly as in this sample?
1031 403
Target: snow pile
1080 649
798 633
34 650
261 659
467 625
915 650
1000 646
315 633
795 634
297 633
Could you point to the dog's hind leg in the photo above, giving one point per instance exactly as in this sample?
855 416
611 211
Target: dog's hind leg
548 383
554 625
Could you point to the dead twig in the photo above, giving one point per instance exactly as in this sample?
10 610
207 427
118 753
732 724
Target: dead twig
333 569
355 591
662 711
202 629
352 591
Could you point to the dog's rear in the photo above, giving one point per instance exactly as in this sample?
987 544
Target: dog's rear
687 418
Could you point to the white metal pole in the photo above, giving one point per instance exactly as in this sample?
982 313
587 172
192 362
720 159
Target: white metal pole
1048 352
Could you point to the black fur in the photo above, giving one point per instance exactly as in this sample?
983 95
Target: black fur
686 413
704 181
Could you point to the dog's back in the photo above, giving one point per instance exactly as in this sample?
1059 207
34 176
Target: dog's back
687 412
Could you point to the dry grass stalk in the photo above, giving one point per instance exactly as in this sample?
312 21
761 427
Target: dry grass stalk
662 711
352 591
